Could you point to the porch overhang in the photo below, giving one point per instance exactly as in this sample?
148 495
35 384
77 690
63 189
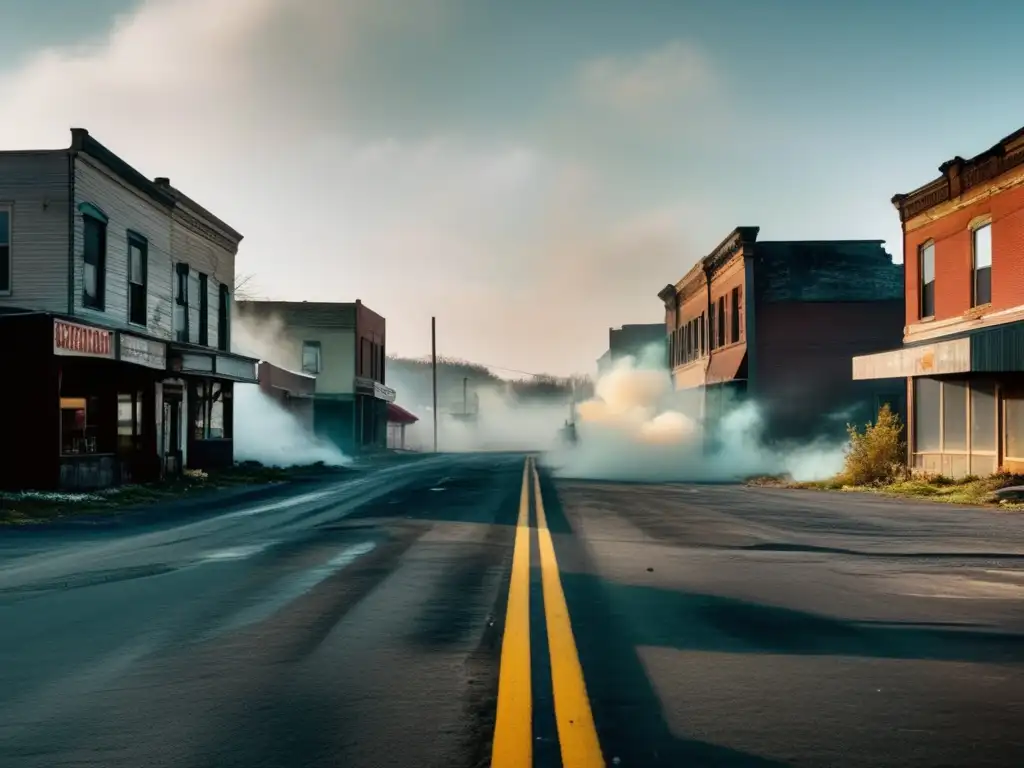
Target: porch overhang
999 349
940 358
214 364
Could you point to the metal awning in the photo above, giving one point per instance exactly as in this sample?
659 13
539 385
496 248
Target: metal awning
999 349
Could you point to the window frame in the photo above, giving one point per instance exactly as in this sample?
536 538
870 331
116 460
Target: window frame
735 320
723 328
181 299
8 209
926 246
223 318
976 227
93 217
312 344
204 309
134 239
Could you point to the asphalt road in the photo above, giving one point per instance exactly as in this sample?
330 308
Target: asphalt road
431 613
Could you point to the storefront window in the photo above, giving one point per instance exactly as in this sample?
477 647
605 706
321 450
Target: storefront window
78 418
129 421
954 416
927 410
983 416
209 422
1014 426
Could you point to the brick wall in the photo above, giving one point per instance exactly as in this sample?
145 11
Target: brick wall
952 237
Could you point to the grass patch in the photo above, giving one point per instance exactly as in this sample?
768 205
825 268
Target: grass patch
876 463
979 491
28 507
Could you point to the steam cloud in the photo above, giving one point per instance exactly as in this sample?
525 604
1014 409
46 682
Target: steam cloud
638 428
265 431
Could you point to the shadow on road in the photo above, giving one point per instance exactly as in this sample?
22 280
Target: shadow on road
627 711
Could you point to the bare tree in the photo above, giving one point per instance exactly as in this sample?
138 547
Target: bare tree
243 290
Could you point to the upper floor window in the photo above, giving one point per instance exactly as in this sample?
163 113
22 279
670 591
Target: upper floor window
926 272
981 269
734 317
223 319
701 322
721 322
712 341
94 257
181 301
5 249
204 310
311 359
138 269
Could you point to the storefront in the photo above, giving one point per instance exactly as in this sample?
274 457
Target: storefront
966 400
90 407
202 391
398 420
371 410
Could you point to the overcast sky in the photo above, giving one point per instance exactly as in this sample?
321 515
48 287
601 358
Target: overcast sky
529 172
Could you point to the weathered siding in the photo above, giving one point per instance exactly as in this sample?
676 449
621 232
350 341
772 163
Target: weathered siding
209 258
127 210
37 185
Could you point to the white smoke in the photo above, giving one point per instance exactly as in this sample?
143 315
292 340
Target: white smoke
501 424
637 428
267 433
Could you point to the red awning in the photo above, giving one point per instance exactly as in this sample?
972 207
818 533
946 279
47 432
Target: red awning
398 415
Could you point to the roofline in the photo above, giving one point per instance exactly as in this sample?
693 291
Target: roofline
158 189
322 304
191 205
874 241
958 175
82 142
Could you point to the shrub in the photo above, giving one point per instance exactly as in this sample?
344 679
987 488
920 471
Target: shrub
876 455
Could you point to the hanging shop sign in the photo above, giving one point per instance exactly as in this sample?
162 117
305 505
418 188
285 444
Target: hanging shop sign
146 352
72 339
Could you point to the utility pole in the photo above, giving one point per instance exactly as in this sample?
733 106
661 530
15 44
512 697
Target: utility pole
465 396
433 366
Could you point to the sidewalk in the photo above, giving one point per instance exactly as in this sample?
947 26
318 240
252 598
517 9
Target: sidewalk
189 501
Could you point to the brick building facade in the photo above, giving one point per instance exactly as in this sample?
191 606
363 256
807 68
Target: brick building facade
778 322
963 344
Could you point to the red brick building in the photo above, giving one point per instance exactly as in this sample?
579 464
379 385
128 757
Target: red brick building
778 322
963 344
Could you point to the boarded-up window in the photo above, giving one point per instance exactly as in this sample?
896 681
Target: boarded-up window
927 404
954 416
983 416
1015 426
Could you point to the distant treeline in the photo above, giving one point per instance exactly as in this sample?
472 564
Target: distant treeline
451 372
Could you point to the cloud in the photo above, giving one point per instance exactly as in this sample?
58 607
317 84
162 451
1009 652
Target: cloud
247 105
652 80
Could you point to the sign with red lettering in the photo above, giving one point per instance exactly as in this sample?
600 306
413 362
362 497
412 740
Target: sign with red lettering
81 340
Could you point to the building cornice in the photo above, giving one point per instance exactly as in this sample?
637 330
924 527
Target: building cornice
737 240
960 175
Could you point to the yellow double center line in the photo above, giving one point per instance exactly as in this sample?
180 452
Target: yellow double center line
513 733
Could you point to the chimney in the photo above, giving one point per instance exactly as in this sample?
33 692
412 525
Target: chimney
163 181
78 137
